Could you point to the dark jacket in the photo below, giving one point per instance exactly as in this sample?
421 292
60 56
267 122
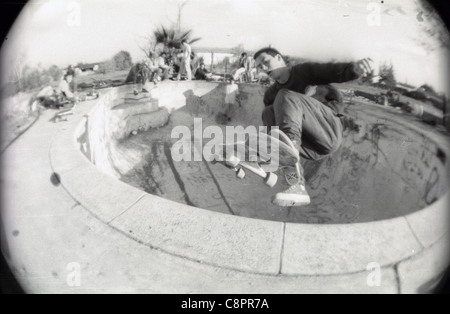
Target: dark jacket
200 74
307 74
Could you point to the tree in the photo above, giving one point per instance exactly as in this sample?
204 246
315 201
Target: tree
18 69
55 72
170 37
387 74
122 60
237 50
107 66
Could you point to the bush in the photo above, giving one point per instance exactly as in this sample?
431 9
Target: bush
107 66
122 60
35 78
55 73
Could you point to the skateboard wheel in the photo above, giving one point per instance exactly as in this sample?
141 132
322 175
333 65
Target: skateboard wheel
271 179
233 161
240 173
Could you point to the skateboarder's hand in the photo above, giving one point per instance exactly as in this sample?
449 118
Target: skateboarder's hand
365 68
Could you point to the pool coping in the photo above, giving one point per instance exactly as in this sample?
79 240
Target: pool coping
239 243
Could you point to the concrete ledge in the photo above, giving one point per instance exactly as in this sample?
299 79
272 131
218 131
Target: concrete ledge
431 223
227 241
423 272
337 249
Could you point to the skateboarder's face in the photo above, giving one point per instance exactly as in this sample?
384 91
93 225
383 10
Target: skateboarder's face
274 66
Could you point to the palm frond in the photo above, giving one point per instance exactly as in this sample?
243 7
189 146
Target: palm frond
170 36
194 40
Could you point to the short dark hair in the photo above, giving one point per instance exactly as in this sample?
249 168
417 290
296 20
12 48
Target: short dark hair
243 54
270 51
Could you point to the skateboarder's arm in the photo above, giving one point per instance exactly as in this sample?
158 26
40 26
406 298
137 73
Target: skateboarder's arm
270 94
326 73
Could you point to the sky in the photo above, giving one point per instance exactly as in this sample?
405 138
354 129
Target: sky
66 32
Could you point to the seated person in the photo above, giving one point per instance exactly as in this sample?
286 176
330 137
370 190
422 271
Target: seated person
172 71
154 69
64 88
202 73
138 74
163 66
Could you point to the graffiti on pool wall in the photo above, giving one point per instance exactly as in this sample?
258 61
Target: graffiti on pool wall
370 171
432 187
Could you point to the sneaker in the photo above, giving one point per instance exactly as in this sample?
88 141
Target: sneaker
292 175
144 90
135 92
296 195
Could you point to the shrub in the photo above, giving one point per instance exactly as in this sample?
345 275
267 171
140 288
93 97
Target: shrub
122 60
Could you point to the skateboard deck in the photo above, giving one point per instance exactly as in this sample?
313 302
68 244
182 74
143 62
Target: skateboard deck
256 151
62 114
239 167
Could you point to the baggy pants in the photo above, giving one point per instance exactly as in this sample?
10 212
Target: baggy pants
315 126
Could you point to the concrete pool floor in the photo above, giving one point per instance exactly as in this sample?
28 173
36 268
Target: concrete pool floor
52 232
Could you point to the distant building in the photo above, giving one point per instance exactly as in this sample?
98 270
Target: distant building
87 68
213 55
216 57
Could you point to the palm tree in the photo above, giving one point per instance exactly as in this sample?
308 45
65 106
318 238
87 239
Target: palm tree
172 37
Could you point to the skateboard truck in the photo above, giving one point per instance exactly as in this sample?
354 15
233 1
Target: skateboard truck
270 178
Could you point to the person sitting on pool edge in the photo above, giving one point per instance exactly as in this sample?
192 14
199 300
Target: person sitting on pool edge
202 73
313 127
64 88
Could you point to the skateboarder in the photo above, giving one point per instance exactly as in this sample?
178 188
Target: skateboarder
313 127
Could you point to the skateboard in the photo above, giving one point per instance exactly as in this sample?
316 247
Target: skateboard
240 166
62 115
284 154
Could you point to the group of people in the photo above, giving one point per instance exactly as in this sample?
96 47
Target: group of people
162 66
246 71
